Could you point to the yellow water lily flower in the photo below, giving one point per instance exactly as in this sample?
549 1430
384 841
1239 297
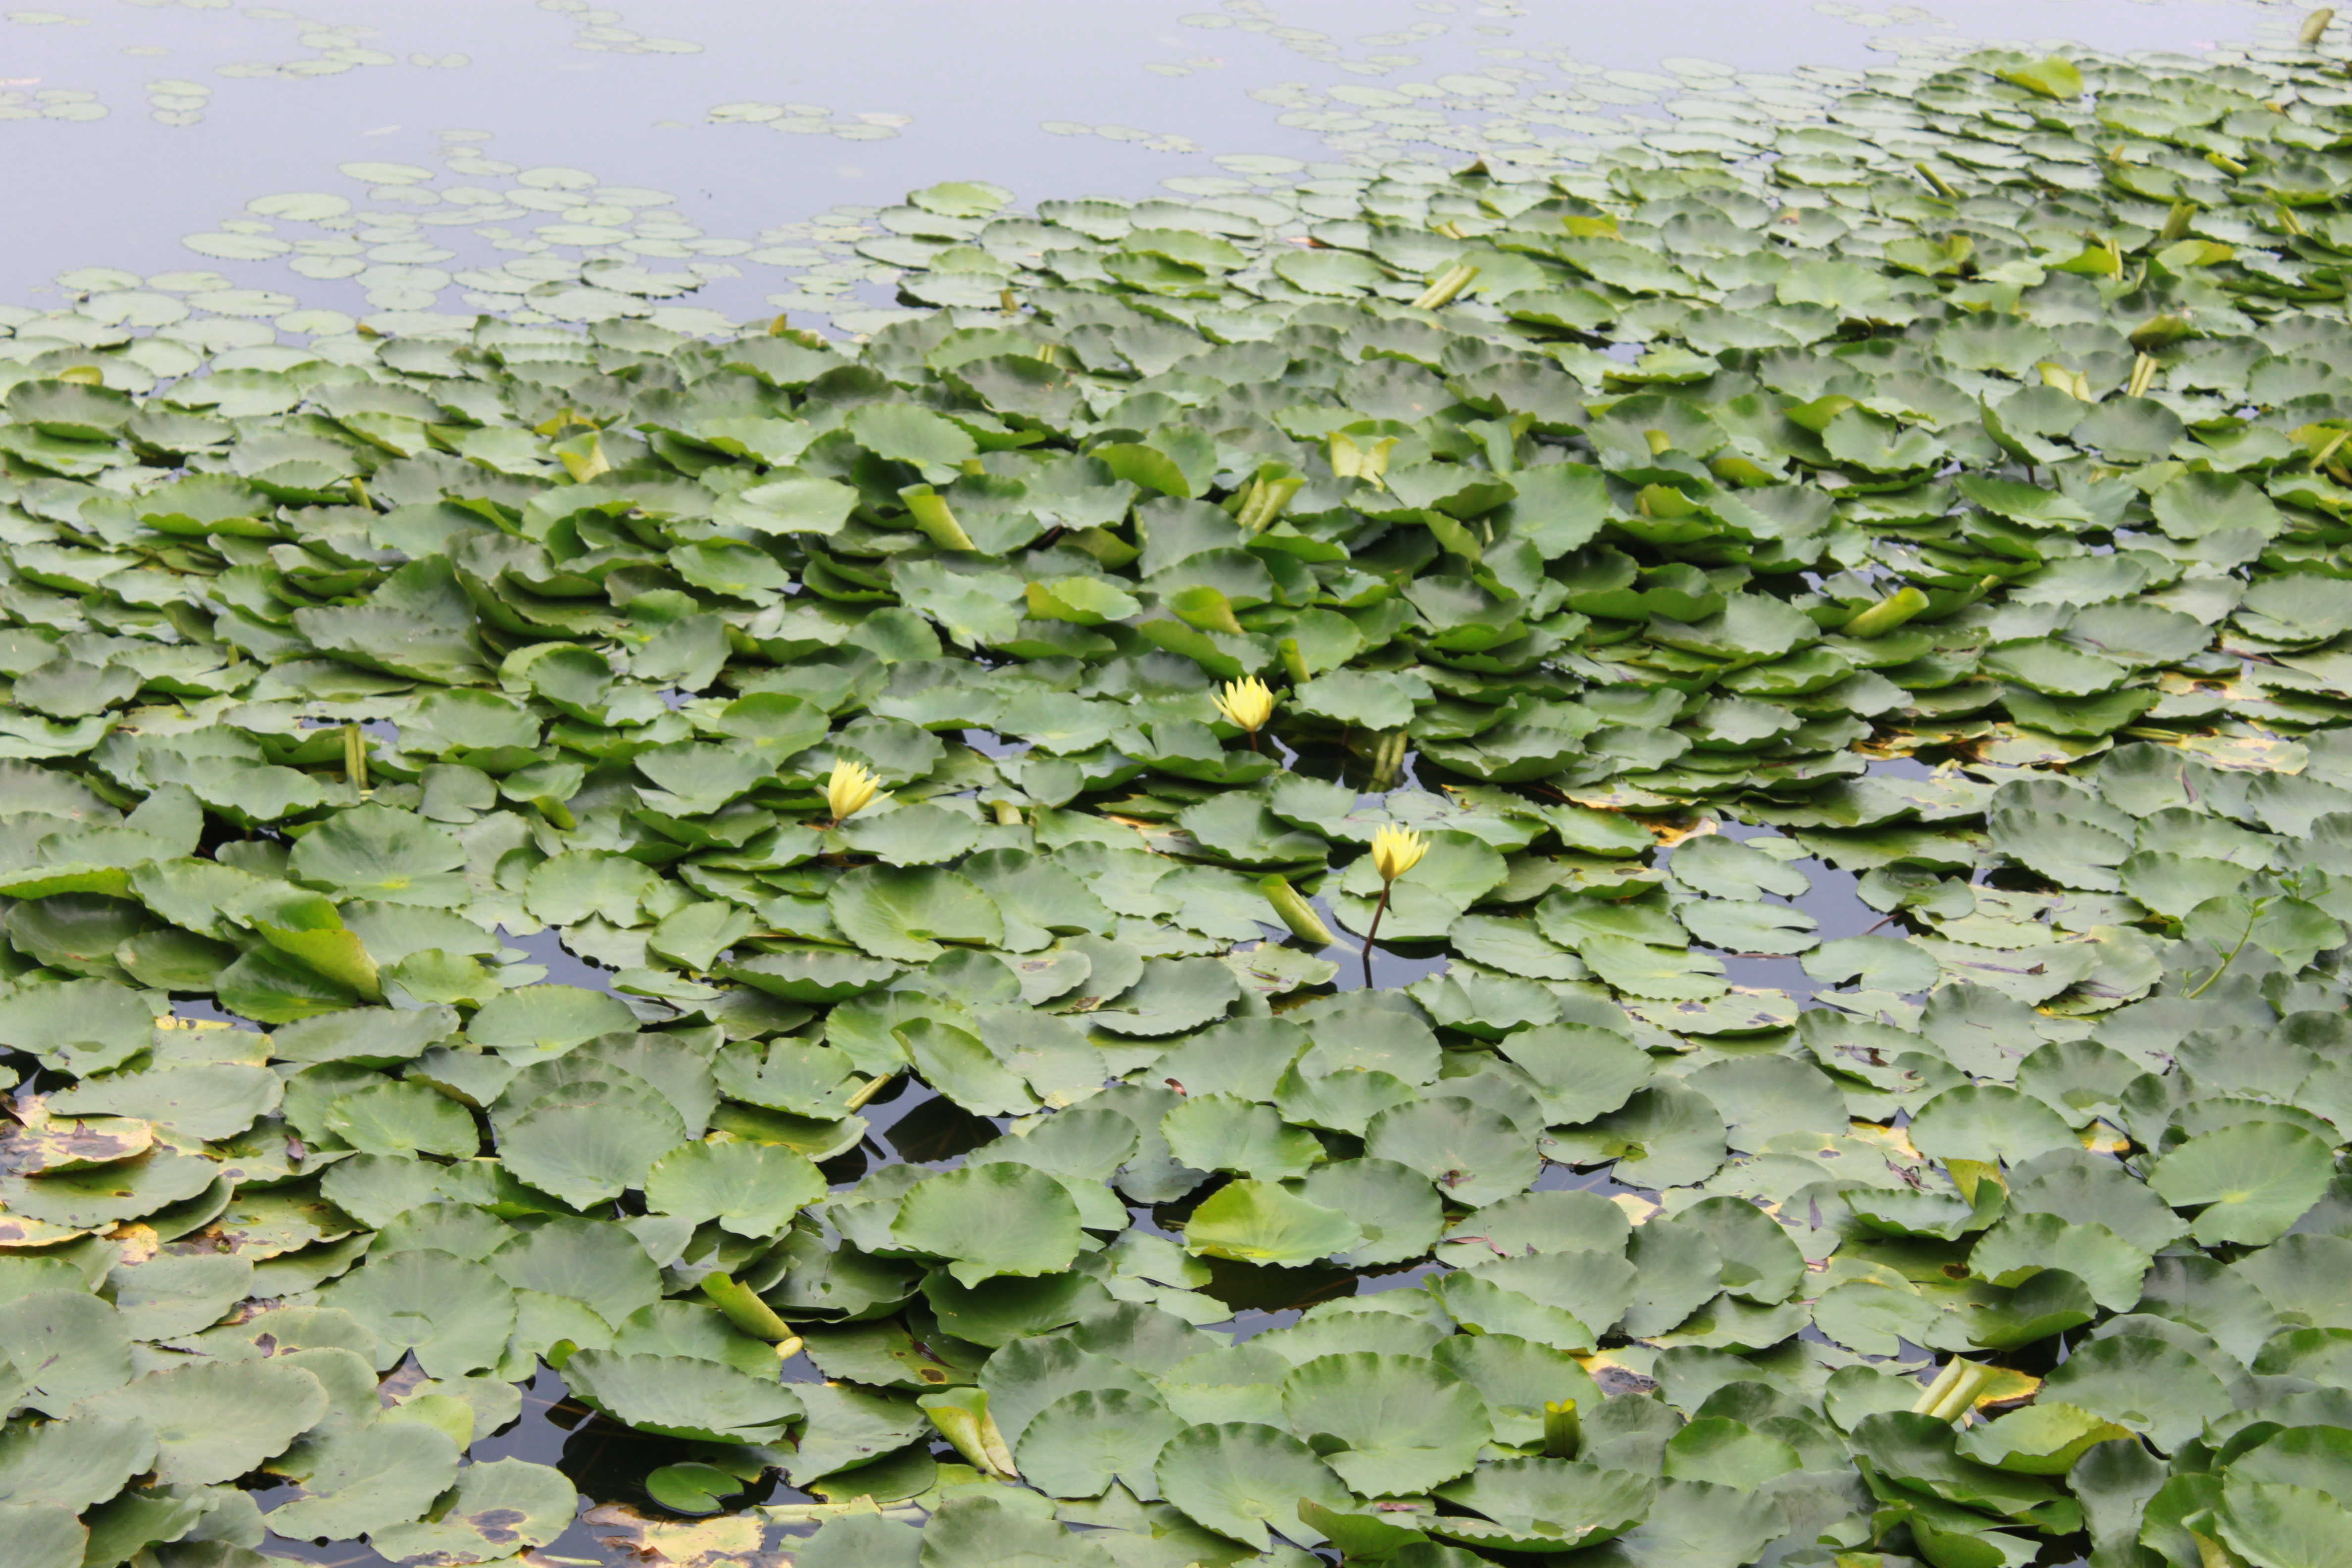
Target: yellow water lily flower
1246 704
1396 851
849 791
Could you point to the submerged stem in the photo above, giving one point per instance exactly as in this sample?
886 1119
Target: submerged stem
2228 958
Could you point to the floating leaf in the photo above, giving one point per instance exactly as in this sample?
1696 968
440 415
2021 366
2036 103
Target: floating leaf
992 1220
753 1189
1259 1222
2248 1183
1400 1426
1082 1442
1237 1477
679 1396
455 1315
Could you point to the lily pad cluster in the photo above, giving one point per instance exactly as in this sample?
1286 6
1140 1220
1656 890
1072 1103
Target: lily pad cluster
1000 1161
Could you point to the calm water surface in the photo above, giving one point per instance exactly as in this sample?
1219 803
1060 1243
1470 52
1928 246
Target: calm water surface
131 125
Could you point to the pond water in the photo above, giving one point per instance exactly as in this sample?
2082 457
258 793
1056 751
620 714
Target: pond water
440 156
260 175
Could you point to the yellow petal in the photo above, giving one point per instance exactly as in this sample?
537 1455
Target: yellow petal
1395 851
850 789
1246 704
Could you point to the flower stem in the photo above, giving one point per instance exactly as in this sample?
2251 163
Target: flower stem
2229 958
868 1089
1377 912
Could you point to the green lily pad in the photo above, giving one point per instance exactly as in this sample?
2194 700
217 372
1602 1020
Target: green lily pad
214 1423
1387 1426
680 1396
991 1220
2248 1183
73 1464
361 1480
78 1025
454 1314
1081 1443
1259 1222
906 914
1237 1477
752 1189
1474 1155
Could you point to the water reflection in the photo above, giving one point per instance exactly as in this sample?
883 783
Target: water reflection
206 1010
563 966
931 1129
1555 1178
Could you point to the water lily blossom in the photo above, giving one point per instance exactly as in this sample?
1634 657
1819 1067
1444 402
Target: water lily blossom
1395 851
1246 705
849 791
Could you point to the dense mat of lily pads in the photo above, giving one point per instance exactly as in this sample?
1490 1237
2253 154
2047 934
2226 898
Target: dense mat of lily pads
1619 535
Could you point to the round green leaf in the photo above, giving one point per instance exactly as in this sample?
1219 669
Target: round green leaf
454 1314
214 1423
1083 1441
1260 1222
1389 1426
1667 1135
1727 1453
677 1396
601 1266
1473 1154
78 1025
2150 1385
374 852
1989 1122
356 1481
41 1535
691 1488
587 1153
75 1464
1395 1206
403 1119
2042 1439
752 1189
1226 1132
1236 1477
1557 1502
1173 995
987 1220
905 913
2248 1183
536 1022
